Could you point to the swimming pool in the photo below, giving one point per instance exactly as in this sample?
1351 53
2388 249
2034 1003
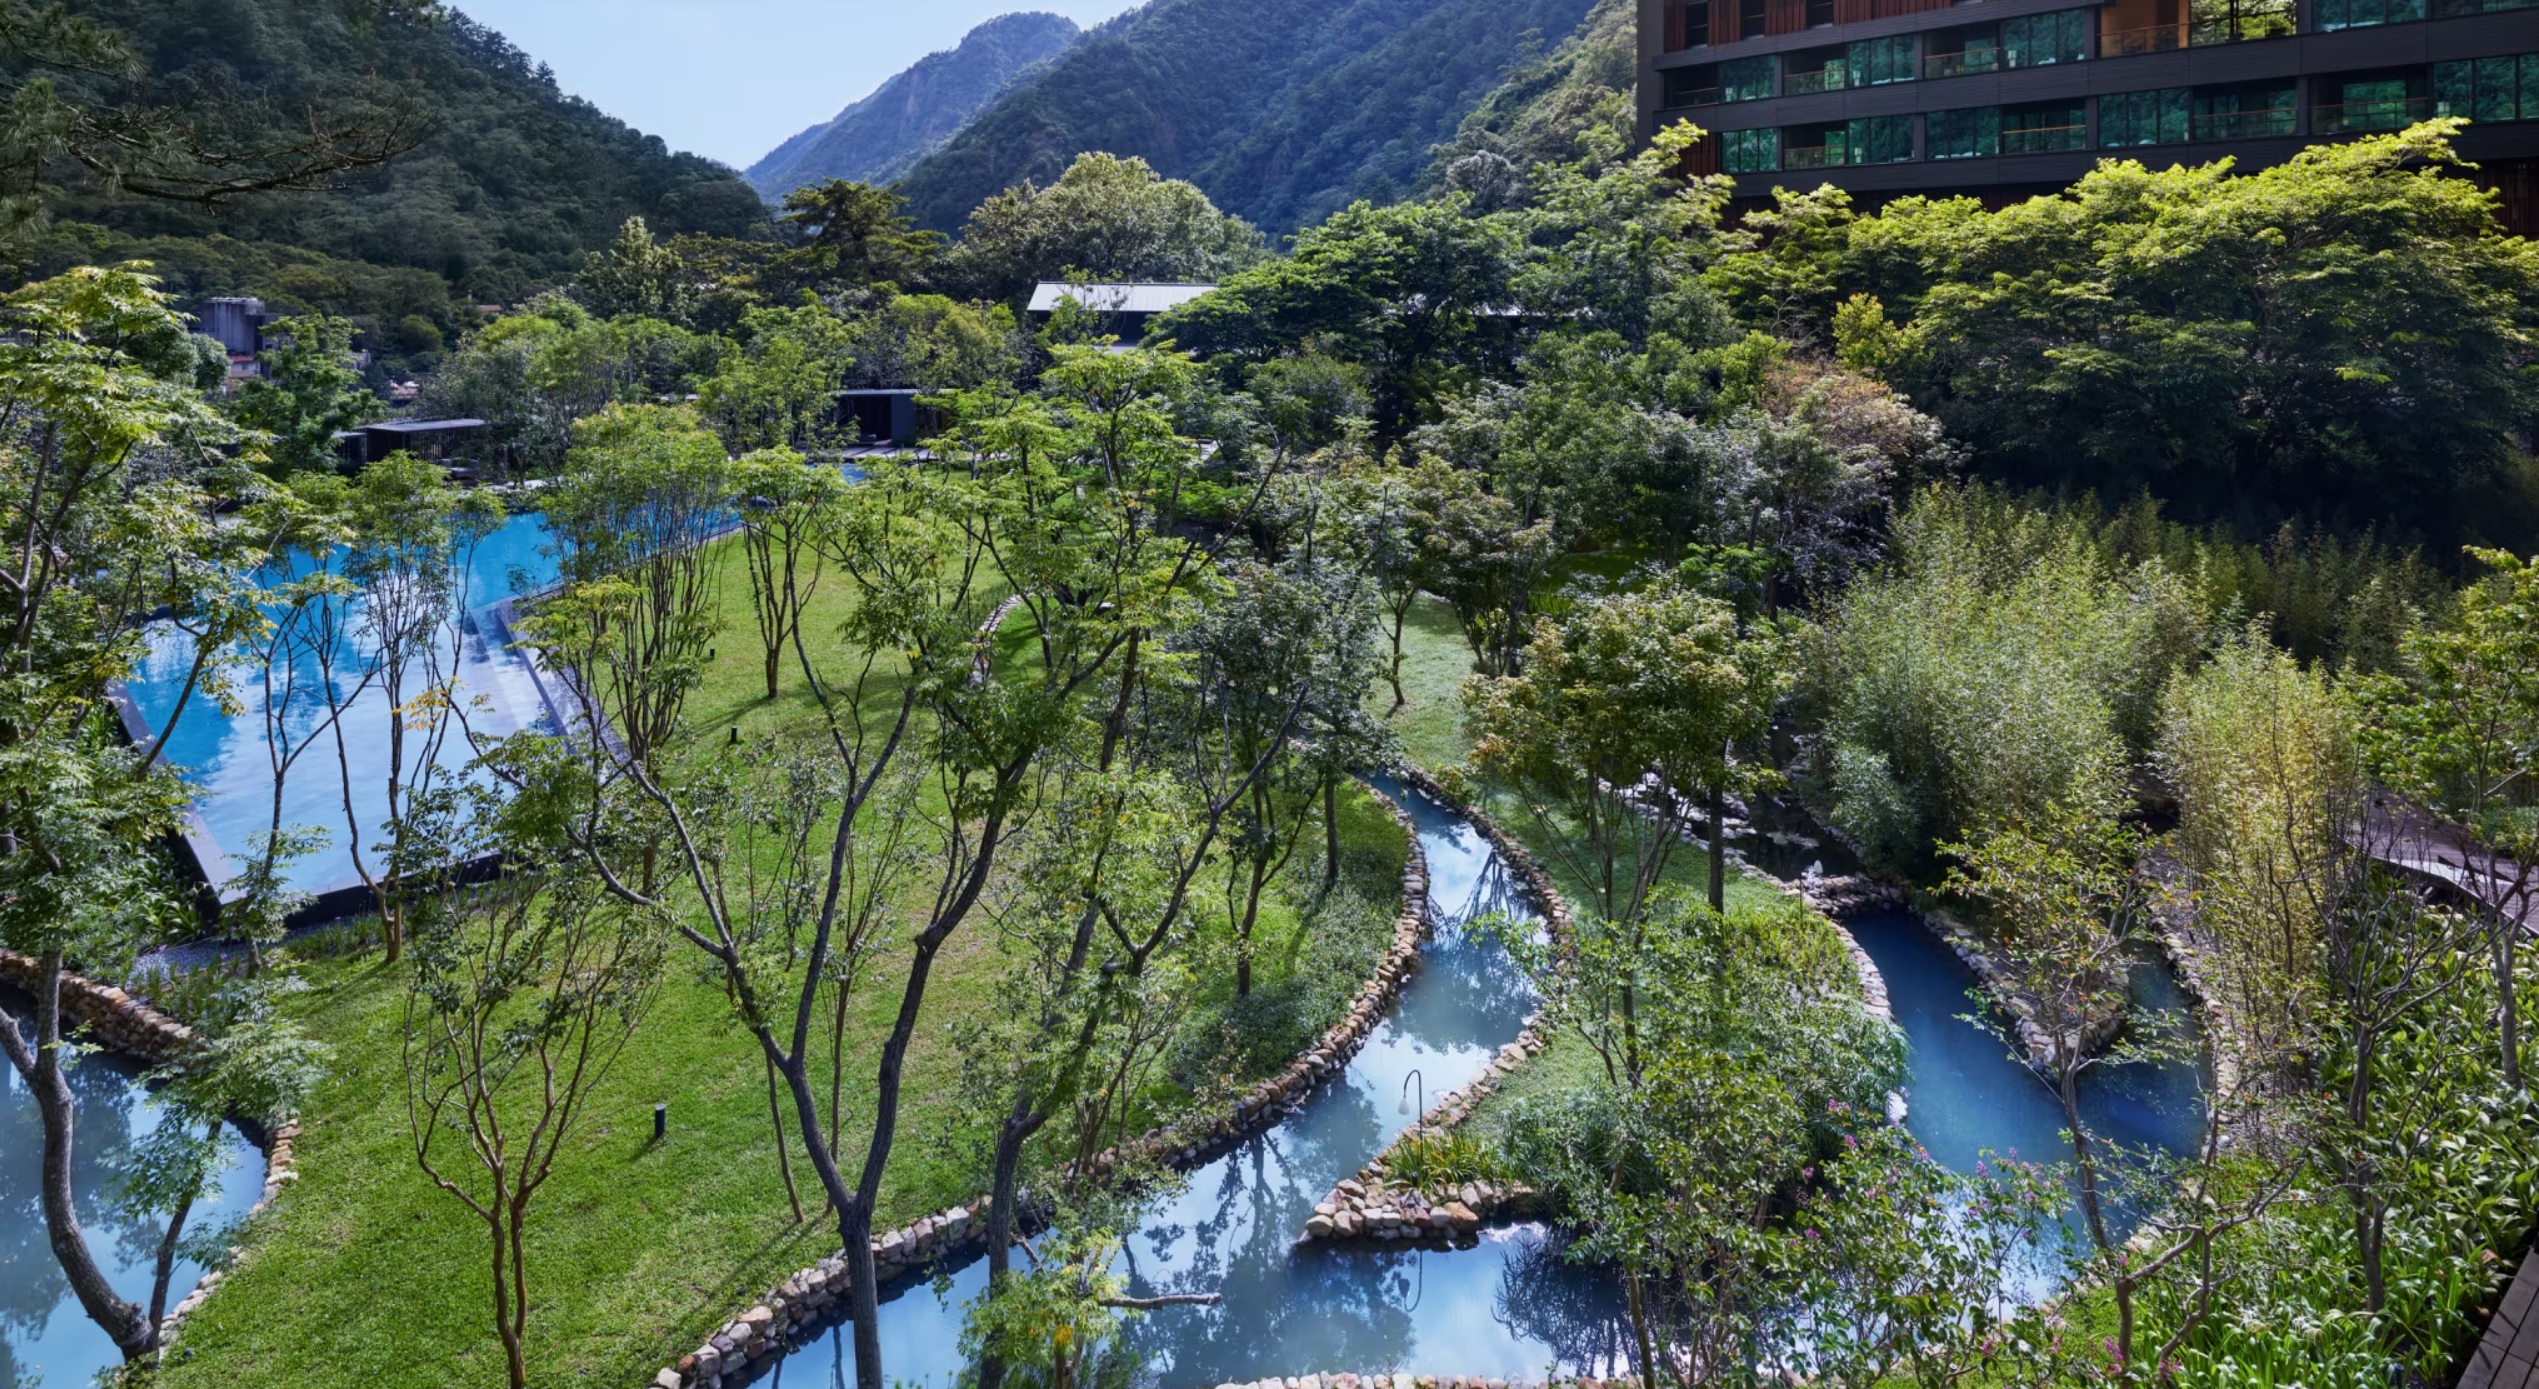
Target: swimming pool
228 759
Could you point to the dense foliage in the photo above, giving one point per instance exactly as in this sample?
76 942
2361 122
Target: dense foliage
511 183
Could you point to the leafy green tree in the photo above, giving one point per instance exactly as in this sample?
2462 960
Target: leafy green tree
852 236
1105 218
411 534
1618 244
533 375
1415 293
1629 711
99 537
80 99
644 490
309 393
784 504
2461 737
780 389
936 344
523 995
2244 346
636 277
1477 554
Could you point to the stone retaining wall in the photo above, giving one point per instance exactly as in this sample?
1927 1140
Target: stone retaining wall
121 1023
757 1338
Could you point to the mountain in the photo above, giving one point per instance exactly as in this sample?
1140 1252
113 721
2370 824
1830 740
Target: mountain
876 139
1283 110
512 184
1547 102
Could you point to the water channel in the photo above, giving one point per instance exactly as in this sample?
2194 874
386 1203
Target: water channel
44 1336
1510 1306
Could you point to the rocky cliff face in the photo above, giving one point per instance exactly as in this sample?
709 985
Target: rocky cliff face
878 138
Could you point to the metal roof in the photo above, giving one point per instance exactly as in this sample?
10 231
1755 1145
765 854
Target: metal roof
421 426
1116 298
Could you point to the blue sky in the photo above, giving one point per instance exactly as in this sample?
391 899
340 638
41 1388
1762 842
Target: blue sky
732 78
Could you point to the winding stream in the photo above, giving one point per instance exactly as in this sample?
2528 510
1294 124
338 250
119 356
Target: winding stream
1510 1306
44 1336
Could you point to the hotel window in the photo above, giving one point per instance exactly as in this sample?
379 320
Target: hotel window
1746 79
1820 13
1750 151
2230 21
1696 22
2038 39
2488 89
1690 87
2128 119
1969 134
2243 113
1750 15
1877 62
1880 139
2359 14
2044 126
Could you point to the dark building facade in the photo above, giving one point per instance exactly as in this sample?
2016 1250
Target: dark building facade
2009 98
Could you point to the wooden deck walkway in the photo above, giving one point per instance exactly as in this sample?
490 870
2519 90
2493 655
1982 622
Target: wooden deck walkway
2509 1356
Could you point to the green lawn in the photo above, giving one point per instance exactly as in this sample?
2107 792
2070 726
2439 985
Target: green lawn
364 1276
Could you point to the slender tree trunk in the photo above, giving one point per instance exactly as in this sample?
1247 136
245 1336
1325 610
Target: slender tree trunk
1330 831
1640 1330
1243 934
1393 668
164 1272
1020 1123
776 1119
2507 938
837 1063
505 1326
1718 850
39 1060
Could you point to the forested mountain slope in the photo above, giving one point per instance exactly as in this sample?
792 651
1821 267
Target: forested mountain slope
1283 110
514 180
877 138
1547 101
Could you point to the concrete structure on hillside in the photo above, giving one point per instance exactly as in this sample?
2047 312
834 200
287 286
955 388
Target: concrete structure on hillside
1125 310
2004 99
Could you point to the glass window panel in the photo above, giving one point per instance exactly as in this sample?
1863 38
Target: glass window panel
1966 134
2452 85
2497 90
1746 79
2530 86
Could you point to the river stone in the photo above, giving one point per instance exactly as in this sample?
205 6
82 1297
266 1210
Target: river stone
1319 1227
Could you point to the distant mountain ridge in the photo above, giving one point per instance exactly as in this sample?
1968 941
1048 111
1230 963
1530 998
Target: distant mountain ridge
1282 110
876 139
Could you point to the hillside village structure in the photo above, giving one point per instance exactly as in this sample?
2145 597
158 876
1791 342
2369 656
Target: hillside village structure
2004 99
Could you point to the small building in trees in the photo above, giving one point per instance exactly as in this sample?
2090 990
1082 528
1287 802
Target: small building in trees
1122 310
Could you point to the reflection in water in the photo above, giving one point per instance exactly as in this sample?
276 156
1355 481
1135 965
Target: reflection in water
1512 1305
42 1329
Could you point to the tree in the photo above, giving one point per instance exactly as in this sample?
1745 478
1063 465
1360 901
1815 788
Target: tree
852 236
1477 554
644 490
2241 345
784 504
1414 292
636 277
2461 736
308 394
524 993
2069 915
411 535
105 523
780 389
80 98
1628 711
1105 218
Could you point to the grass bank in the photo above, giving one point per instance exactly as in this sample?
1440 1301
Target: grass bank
363 1276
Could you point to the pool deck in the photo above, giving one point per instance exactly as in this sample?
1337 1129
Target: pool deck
2509 1356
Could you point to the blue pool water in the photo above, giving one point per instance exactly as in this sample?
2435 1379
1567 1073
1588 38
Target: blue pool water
228 757
43 1332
